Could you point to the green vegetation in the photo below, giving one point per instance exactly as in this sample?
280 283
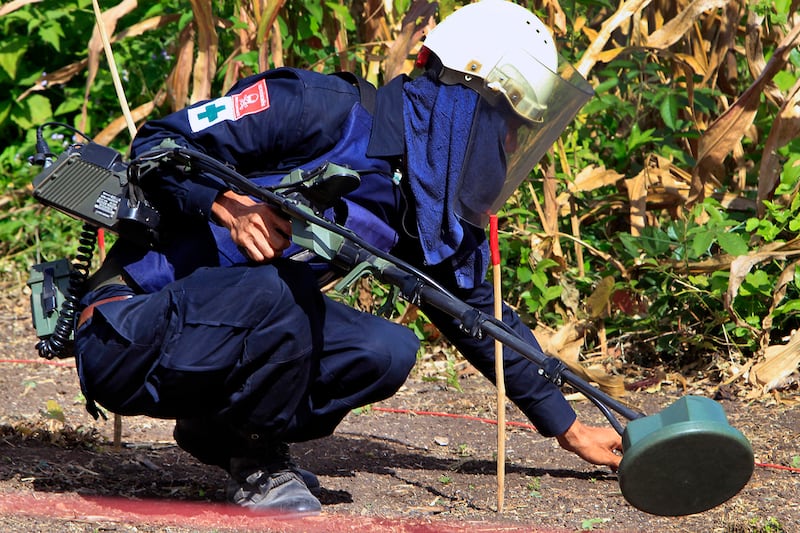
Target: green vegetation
633 229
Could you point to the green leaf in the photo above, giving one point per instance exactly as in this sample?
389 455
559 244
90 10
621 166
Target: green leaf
552 292
52 34
669 111
524 274
539 280
756 283
54 411
699 280
32 112
5 111
790 307
638 137
401 6
768 230
68 106
732 243
343 14
701 243
606 85
314 9
655 241
630 244
11 52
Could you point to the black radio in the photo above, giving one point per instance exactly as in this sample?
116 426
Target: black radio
90 182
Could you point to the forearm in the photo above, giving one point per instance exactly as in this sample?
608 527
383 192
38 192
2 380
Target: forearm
540 400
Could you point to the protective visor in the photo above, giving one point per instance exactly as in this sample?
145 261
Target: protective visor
514 125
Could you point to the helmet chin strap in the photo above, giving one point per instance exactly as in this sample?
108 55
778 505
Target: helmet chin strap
432 63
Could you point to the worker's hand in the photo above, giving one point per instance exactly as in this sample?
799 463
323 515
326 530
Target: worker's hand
596 445
258 229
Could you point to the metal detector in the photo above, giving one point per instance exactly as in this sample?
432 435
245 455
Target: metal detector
684 460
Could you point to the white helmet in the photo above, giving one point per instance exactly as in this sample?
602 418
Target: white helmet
498 49
508 56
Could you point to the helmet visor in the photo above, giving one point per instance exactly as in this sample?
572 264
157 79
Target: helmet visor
524 82
509 137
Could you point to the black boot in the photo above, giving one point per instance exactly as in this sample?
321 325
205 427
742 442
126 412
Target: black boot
211 443
271 483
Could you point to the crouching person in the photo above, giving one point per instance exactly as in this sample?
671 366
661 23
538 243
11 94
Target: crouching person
246 359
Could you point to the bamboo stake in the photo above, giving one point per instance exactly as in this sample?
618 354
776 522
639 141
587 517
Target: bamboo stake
498 366
112 67
101 247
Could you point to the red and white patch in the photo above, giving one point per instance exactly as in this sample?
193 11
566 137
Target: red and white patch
253 99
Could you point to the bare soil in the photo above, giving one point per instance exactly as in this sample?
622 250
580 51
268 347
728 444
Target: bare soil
381 470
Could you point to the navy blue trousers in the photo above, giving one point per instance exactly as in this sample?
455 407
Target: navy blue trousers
241 351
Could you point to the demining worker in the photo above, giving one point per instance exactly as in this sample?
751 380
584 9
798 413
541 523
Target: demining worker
222 327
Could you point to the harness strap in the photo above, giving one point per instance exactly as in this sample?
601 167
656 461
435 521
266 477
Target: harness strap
87 313
367 91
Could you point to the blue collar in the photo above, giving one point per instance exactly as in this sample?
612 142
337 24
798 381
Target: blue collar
387 139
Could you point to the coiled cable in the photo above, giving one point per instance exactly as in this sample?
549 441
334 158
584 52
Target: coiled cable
60 343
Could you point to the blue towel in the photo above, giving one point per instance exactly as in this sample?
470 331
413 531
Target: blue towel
438 119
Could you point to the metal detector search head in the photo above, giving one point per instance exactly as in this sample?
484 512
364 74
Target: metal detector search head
684 460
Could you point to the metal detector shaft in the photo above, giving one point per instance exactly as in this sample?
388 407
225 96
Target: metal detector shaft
415 289
553 369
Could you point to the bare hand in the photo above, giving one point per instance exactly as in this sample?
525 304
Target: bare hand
258 229
596 445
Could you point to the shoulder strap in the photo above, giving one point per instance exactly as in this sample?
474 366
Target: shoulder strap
365 89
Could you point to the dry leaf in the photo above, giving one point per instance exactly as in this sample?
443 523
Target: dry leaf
596 49
754 52
268 33
637 197
676 28
593 177
725 132
119 124
12 6
724 42
205 65
181 74
743 264
780 361
785 127
565 344
598 302
60 76
786 277
416 21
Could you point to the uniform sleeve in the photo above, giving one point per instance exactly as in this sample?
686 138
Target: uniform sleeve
540 400
270 122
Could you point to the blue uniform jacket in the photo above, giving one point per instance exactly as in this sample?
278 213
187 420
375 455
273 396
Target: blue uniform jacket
274 122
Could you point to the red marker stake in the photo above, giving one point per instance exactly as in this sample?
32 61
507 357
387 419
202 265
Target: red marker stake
101 246
494 246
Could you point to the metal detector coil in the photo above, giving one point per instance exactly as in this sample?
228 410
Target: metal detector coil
684 460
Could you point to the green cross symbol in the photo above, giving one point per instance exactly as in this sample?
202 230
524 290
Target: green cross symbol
211 112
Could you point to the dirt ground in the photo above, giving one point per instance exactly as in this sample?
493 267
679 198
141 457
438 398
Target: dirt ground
381 471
